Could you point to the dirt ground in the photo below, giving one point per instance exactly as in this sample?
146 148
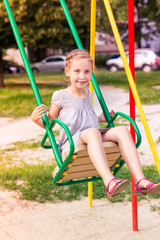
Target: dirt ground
26 220
23 220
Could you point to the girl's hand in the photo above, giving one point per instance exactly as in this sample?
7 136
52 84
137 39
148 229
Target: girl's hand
102 118
38 113
112 112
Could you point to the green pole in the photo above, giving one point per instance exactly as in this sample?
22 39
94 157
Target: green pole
80 46
71 24
32 81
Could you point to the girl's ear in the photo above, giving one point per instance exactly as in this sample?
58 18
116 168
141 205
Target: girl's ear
66 72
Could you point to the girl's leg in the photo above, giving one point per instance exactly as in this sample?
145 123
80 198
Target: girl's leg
122 136
93 139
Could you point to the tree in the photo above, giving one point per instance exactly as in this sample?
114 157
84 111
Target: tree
152 21
120 10
43 24
6 38
145 12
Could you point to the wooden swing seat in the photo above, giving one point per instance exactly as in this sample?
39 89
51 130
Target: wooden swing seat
82 167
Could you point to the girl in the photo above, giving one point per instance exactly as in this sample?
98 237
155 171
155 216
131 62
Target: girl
73 106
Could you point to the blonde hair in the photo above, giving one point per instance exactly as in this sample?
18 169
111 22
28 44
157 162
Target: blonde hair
77 54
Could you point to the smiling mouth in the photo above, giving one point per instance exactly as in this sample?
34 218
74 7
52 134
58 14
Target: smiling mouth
81 82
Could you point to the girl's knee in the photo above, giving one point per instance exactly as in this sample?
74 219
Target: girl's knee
93 132
122 131
90 133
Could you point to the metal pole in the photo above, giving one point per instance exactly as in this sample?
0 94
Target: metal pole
92 53
32 80
132 102
132 84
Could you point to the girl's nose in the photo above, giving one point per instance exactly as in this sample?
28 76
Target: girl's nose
81 75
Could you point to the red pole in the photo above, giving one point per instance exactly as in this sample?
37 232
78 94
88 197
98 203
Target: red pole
132 102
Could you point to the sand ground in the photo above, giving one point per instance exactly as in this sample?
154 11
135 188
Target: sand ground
26 220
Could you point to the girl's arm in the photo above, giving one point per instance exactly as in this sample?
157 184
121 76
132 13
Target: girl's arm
41 111
38 113
53 112
101 117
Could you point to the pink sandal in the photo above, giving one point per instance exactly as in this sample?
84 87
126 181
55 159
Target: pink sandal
151 188
119 187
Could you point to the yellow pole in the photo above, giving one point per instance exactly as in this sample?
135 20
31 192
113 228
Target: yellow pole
132 84
92 36
92 53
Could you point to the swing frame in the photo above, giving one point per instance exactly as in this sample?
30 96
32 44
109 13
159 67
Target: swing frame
64 166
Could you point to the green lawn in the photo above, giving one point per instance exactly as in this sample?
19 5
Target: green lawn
17 99
144 83
34 182
32 178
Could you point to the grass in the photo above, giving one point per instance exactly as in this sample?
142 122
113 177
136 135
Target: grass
34 182
17 99
155 208
19 102
144 83
21 78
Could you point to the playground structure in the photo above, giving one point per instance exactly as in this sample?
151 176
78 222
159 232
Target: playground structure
65 165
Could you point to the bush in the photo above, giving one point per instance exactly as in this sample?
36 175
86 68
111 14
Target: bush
101 60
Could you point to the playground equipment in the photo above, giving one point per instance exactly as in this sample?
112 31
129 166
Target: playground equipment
131 83
67 165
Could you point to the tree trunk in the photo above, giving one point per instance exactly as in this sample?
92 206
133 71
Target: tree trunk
1 71
138 34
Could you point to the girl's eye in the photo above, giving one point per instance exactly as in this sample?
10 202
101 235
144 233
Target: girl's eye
77 70
87 71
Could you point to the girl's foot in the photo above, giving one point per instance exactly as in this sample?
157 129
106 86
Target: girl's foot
116 188
144 187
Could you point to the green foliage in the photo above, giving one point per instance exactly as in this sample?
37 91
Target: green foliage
101 60
43 24
145 12
120 12
34 182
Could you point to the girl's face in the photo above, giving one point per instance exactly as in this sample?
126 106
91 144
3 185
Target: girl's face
80 72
